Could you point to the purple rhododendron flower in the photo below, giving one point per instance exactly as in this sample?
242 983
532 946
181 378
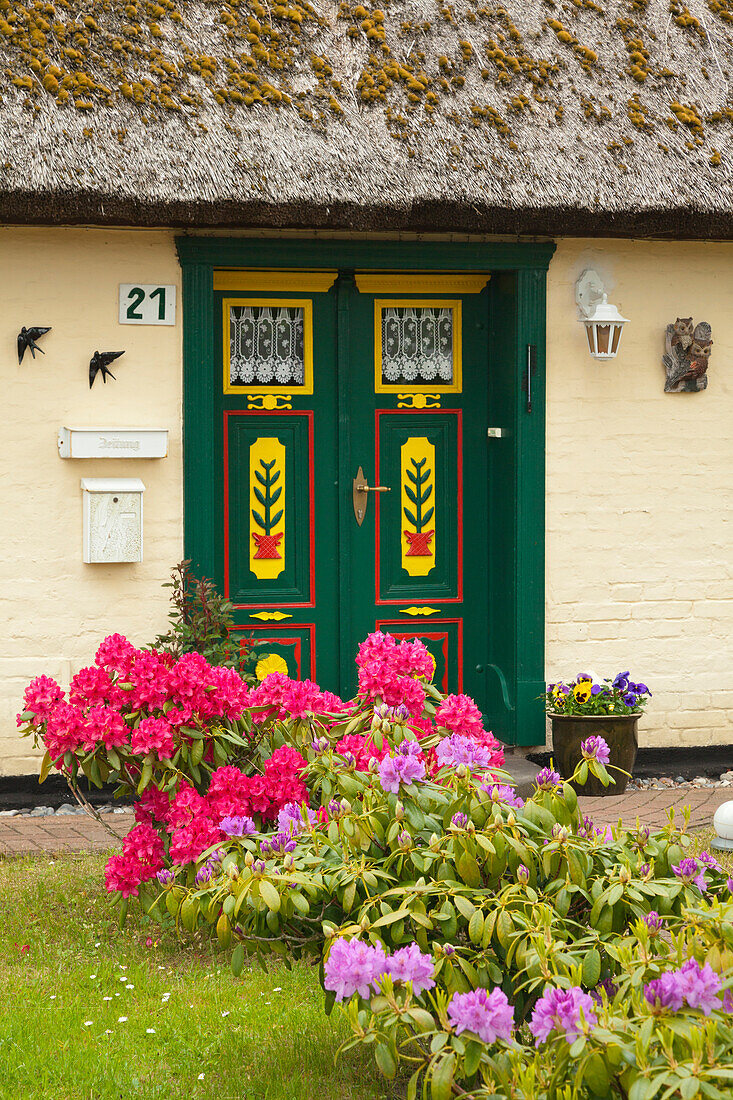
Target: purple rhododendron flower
458 749
604 984
165 877
408 964
502 792
654 922
238 826
595 748
561 1010
522 874
709 861
320 744
354 967
727 1001
547 778
290 819
459 820
203 875
692 873
488 1015
405 768
700 986
665 992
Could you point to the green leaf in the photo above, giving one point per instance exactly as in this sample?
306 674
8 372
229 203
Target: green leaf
689 1088
385 1059
476 927
238 960
412 1085
270 896
591 968
441 1082
464 906
468 869
596 1075
45 767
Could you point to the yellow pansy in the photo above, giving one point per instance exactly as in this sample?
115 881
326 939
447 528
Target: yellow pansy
581 691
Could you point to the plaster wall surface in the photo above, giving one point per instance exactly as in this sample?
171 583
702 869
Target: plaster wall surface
639 482
54 609
640 489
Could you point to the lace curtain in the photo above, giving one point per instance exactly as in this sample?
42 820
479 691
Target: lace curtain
417 344
266 345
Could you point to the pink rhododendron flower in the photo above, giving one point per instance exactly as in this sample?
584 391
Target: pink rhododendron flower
188 842
41 697
65 731
93 687
229 793
116 654
301 698
153 805
459 714
186 807
154 735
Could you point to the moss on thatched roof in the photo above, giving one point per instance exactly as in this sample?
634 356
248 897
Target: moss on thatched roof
519 116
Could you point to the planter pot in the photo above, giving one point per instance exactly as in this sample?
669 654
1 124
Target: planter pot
618 732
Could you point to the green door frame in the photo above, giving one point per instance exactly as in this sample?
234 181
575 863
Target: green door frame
517 459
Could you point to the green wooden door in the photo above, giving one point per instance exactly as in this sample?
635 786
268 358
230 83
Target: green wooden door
417 414
318 376
275 425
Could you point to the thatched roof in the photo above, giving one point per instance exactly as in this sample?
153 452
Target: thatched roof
531 116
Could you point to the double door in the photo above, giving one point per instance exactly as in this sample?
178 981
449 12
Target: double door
351 415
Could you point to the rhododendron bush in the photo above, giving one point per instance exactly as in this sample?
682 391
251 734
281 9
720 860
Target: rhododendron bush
478 943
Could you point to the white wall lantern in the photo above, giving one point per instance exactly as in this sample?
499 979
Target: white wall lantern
603 322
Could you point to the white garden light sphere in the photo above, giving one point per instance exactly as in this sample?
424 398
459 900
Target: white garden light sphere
723 825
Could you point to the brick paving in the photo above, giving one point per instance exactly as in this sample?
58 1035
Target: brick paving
651 806
75 833
72 833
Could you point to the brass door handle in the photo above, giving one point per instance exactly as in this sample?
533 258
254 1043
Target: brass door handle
360 489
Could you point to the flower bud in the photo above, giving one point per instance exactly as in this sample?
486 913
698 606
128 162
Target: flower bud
448 949
288 861
404 839
386 726
365 923
511 819
249 859
624 875
399 811
434 840
345 806
522 874
461 771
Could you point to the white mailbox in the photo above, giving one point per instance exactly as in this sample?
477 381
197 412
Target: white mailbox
113 442
112 518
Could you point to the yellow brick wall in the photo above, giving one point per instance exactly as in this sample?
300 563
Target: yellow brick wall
640 488
639 482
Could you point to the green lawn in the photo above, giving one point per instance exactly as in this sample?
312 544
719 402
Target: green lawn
91 1011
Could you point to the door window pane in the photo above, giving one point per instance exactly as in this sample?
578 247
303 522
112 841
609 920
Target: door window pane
268 345
418 346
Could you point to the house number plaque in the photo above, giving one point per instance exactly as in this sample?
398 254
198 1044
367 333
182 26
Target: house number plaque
147 304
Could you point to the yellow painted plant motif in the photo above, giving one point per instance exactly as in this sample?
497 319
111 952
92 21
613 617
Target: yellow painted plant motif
273 662
266 504
417 459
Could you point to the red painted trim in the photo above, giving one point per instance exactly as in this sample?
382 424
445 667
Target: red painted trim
458 413
308 413
297 640
435 636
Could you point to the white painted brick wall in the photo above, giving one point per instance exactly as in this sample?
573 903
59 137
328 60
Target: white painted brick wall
640 489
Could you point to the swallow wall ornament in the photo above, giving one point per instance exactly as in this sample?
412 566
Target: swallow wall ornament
27 339
687 356
100 361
